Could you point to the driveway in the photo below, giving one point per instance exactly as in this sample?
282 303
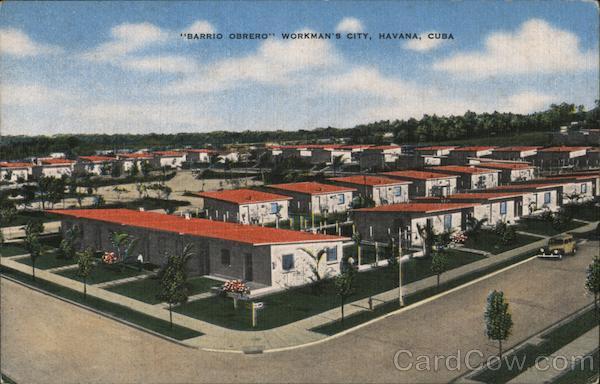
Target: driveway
44 339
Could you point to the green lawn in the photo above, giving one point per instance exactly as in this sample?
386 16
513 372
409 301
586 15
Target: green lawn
12 249
146 289
553 341
488 241
116 310
101 274
48 259
294 304
586 211
544 227
361 317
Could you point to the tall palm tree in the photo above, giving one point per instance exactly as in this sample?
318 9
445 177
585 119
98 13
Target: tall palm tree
317 258
427 234
474 226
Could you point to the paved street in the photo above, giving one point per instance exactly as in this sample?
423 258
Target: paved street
44 339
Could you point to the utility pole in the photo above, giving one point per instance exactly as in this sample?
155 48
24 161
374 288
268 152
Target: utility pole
400 295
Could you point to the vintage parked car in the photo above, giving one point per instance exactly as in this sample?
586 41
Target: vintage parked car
559 246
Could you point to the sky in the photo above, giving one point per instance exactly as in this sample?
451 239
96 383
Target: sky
124 67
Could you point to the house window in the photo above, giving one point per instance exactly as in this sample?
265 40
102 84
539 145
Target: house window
583 188
547 198
341 198
503 208
331 254
274 208
287 262
397 191
225 257
447 223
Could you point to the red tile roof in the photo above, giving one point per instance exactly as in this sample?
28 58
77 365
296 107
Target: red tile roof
517 149
460 169
56 161
243 196
169 153
563 149
435 148
418 175
312 188
473 149
247 234
483 196
505 165
418 207
202 150
384 147
136 155
96 159
15 165
528 186
368 180
356 146
572 177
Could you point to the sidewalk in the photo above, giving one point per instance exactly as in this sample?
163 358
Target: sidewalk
219 338
568 356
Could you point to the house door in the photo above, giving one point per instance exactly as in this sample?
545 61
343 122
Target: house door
248 275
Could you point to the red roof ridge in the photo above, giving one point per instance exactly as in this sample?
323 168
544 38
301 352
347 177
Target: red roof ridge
367 180
311 188
241 196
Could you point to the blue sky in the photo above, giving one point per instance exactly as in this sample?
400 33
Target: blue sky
90 67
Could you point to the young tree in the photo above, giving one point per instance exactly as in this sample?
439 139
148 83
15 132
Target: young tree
116 169
146 168
498 320
85 264
32 242
69 243
592 284
344 285
134 170
336 163
439 264
173 279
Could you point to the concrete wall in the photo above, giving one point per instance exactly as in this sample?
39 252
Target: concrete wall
437 187
387 194
533 202
256 213
302 273
330 202
491 212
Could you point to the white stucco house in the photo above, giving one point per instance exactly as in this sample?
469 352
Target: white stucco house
316 198
265 256
16 171
379 156
96 165
435 150
379 223
382 190
169 159
471 177
246 206
537 197
128 160
56 167
199 155
515 153
426 183
511 172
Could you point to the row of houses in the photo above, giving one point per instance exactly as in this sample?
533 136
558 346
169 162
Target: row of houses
395 156
102 164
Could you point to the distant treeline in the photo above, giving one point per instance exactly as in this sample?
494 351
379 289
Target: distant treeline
428 129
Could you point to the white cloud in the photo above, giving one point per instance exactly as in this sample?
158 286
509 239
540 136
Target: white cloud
201 26
127 38
14 42
166 64
424 44
273 63
349 25
526 102
23 95
535 48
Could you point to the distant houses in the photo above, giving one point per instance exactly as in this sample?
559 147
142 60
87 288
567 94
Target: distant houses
426 183
471 177
515 153
55 167
316 198
246 206
382 190
96 165
511 172
16 171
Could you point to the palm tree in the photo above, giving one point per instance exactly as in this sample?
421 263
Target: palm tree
317 276
336 163
427 234
474 226
124 244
